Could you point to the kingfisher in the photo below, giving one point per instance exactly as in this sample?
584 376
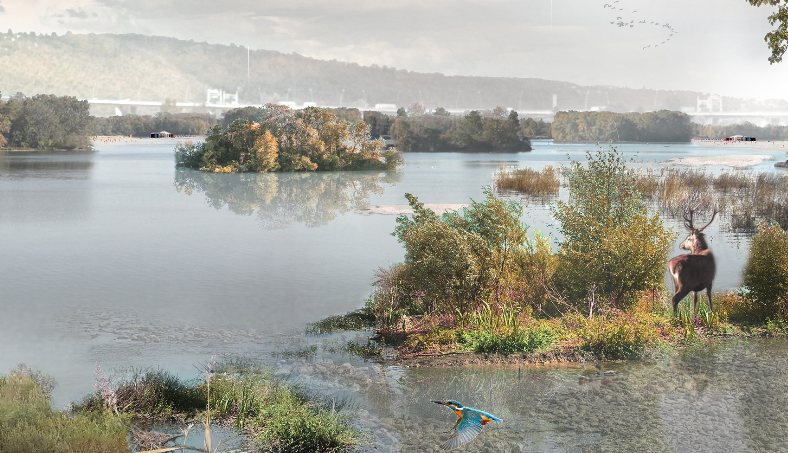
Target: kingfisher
468 426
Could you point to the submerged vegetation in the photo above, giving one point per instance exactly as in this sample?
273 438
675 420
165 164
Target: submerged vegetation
743 198
476 281
280 139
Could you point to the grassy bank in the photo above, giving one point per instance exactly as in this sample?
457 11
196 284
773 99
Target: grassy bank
29 424
645 330
239 395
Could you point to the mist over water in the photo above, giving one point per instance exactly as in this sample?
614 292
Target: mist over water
117 256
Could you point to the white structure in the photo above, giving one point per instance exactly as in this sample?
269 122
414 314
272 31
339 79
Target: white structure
220 97
712 104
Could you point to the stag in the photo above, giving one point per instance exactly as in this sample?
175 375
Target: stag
694 271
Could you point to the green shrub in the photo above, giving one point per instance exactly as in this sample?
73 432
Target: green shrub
281 417
508 340
456 261
766 272
29 424
611 244
623 335
151 394
354 320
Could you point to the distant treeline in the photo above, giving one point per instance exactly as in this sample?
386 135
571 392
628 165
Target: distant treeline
769 132
661 126
415 130
44 121
144 125
277 138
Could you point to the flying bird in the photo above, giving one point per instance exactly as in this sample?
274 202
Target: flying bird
468 426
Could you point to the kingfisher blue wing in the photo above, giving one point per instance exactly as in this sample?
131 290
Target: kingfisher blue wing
466 431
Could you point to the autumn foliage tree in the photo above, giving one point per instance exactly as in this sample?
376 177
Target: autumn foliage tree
280 139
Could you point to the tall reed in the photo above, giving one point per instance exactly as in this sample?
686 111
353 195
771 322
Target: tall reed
529 181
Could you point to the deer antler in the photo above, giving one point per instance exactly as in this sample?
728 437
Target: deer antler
712 219
688 221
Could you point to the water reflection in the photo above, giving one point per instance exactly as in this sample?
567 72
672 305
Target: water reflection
281 199
33 164
28 196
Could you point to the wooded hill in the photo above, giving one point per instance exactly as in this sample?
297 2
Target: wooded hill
158 68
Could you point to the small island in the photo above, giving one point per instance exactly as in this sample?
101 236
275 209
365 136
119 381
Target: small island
278 138
476 287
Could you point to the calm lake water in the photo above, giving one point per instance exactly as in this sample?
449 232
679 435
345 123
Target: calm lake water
118 257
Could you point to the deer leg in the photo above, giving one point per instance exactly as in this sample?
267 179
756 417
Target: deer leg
708 296
681 294
694 302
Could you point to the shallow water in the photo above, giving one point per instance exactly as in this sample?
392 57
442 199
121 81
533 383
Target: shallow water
729 397
116 256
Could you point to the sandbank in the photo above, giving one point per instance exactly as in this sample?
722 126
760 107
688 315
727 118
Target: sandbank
398 209
743 161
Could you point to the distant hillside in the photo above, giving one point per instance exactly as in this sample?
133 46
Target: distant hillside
156 68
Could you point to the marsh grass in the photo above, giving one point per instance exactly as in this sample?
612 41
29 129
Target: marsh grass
29 424
278 416
152 395
281 417
529 181
743 197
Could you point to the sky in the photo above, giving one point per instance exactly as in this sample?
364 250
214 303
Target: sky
717 45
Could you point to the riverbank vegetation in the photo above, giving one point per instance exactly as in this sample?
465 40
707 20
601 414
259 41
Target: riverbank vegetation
29 423
44 121
280 139
768 132
144 125
237 394
477 281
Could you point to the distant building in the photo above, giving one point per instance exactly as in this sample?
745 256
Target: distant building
162 134
739 138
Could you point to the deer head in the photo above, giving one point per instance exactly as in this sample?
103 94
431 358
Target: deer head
696 241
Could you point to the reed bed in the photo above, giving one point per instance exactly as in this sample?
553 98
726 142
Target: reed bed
529 181
743 198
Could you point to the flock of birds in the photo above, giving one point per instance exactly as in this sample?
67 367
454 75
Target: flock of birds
621 22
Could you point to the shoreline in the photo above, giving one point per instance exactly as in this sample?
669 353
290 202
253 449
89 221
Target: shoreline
766 145
557 356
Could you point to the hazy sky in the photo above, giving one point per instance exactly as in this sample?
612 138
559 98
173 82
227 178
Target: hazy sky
718 46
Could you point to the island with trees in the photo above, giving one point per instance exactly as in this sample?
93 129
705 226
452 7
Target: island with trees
661 126
278 138
414 129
